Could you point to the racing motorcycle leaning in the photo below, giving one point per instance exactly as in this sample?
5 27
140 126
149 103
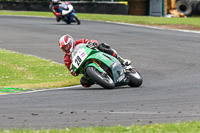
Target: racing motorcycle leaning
103 69
68 14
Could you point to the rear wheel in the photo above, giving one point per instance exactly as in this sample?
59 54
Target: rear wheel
101 79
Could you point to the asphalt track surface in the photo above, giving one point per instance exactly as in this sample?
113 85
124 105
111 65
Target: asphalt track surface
168 60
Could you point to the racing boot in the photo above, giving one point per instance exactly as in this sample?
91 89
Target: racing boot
58 18
104 47
124 62
85 82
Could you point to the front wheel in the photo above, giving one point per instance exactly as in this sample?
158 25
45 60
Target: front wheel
135 78
75 19
101 79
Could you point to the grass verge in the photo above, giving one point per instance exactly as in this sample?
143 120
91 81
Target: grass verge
25 71
146 20
185 127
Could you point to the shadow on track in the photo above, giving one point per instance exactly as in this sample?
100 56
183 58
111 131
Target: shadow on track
100 88
62 24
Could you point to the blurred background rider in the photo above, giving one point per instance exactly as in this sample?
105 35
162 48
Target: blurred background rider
60 8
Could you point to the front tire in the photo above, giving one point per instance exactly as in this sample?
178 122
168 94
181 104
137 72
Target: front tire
135 78
103 80
75 18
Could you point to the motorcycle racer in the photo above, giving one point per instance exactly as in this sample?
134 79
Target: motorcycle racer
67 44
60 8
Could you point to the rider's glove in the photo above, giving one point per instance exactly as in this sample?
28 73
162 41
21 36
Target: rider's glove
73 73
57 13
91 45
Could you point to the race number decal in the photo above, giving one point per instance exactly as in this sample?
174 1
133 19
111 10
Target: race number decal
79 58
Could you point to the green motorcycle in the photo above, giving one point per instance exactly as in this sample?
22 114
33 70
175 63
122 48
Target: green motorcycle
103 69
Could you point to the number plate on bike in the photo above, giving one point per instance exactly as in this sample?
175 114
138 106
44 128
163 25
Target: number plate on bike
79 58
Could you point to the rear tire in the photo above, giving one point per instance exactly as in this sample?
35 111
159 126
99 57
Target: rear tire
102 80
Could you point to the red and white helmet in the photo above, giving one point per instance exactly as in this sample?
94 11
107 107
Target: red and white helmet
67 43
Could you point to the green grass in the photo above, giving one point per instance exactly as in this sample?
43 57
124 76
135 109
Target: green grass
146 20
185 127
25 71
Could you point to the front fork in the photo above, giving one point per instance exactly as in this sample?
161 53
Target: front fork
129 69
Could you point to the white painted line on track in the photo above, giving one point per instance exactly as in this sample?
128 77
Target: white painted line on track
143 113
147 26
155 113
34 91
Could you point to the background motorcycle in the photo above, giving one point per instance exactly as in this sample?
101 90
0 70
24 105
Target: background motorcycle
68 14
103 69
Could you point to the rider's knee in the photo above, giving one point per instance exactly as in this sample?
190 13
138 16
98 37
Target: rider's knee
84 82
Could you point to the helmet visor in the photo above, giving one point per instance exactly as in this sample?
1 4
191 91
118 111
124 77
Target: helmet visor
67 48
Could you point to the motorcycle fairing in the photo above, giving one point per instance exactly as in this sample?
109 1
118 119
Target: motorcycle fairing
119 76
